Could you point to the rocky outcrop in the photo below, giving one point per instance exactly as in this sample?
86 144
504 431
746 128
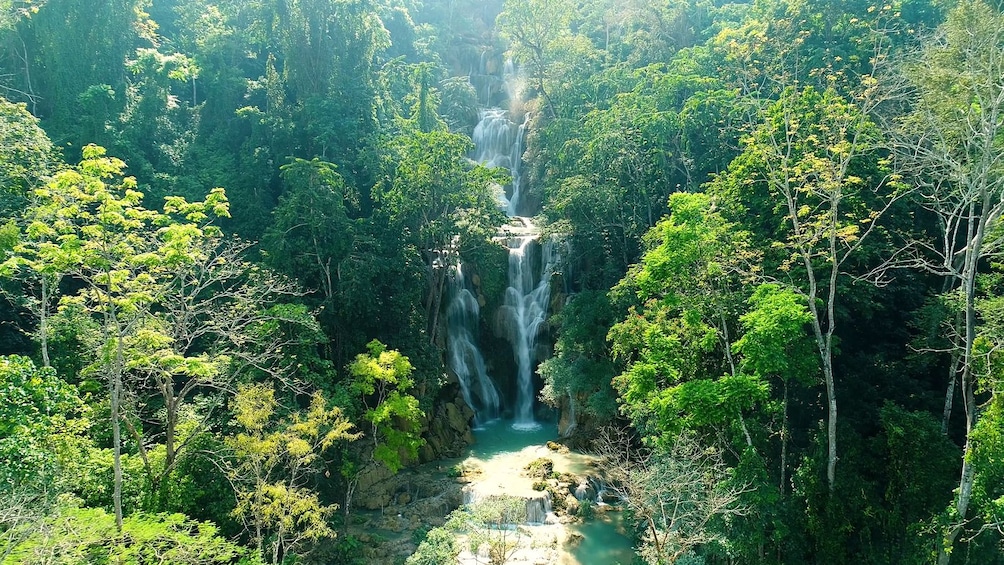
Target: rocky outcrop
447 429
447 432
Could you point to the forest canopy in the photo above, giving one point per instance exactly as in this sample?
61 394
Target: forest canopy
241 242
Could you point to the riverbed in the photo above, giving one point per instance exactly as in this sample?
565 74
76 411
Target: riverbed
499 457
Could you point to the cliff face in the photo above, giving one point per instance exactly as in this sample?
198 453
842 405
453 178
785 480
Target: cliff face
447 432
447 427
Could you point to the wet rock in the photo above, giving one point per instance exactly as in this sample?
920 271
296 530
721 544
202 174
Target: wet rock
557 447
455 419
540 468
571 505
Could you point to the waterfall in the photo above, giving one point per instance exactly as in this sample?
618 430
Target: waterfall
466 361
524 310
538 508
498 142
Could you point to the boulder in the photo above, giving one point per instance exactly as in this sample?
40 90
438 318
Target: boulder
571 505
455 419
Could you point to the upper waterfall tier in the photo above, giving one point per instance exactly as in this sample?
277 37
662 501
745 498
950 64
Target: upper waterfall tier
498 142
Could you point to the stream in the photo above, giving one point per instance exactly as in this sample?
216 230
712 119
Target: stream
501 452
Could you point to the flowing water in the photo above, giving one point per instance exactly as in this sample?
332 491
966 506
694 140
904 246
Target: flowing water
604 541
525 311
498 142
502 452
465 359
505 448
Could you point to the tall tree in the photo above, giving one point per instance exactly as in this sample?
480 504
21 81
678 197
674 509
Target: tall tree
952 144
816 153
90 224
27 158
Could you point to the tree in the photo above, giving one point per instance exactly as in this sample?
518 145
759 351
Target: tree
951 145
433 194
817 154
491 522
312 235
70 48
273 463
677 343
12 10
775 344
88 535
216 319
41 419
438 548
679 490
581 369
382 378
27 158
535 29
488 525
90 224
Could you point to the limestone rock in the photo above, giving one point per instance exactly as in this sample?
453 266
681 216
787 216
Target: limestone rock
447 427
373 490
456 419
571 505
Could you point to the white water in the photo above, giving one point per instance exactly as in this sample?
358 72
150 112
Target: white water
524 310
498 142
465 358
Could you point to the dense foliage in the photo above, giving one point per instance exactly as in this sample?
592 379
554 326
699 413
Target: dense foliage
781 223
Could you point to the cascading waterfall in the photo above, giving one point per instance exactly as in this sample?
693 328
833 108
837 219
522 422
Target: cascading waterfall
525 311
465 358
539 509
498 142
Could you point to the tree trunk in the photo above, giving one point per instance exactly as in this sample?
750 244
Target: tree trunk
350 490
827 351
437 301
43 322
970 269
784 440
831 425
116 401
953 372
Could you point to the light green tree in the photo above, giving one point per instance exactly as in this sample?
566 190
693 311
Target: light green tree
42 421
775 343
382 379
89 223
89 535
274 461
680 372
